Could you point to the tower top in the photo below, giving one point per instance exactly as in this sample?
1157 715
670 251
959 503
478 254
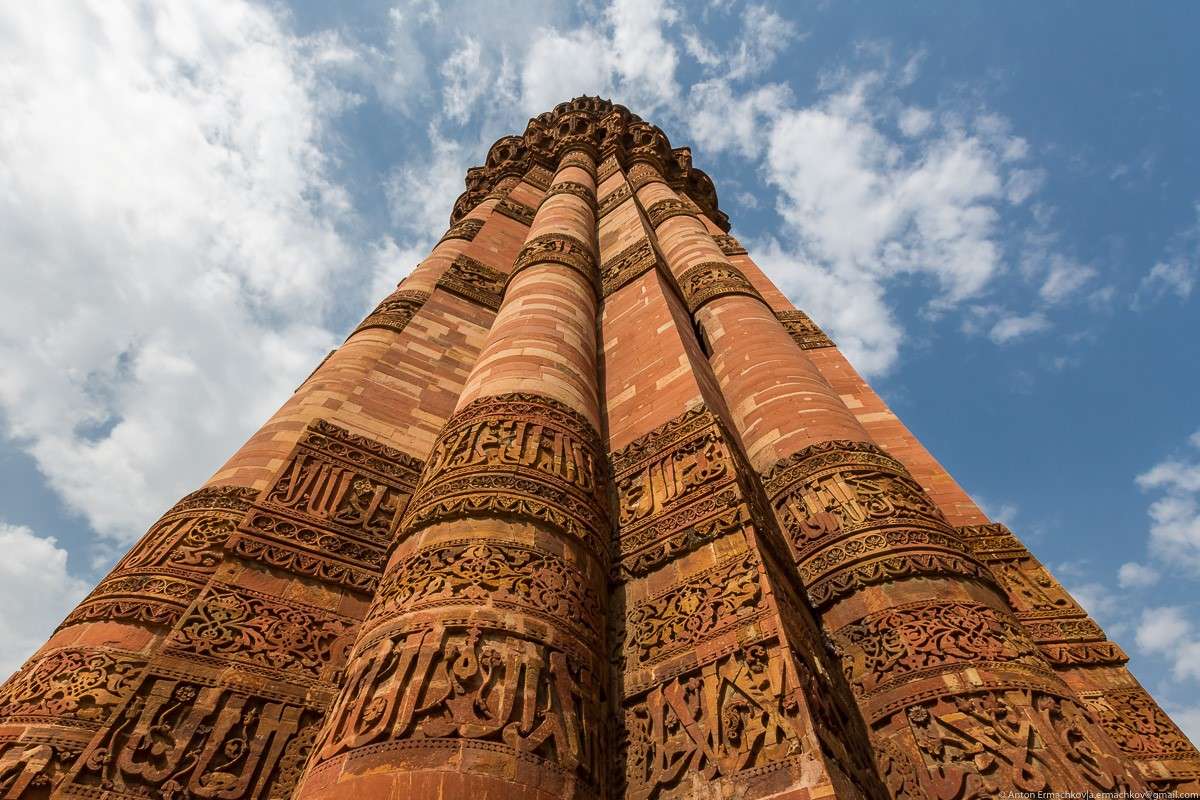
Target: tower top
606 130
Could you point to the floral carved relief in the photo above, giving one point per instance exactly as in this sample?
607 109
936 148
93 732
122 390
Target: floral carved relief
70 683
476 572
396 310
803 330
231 624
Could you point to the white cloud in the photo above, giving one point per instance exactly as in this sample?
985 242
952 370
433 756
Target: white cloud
466 79
1133 575
1166 631
1175 515
1177 272
36 592
1064 278
1015 326
764 36
915 121
171 243
421 194
1099 600
563 65
720 121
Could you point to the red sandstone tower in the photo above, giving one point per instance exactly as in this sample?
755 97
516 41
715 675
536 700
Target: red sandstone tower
584 509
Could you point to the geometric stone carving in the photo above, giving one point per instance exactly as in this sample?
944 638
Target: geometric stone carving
803 330
332 509
517 454
710 280
474 281
394 312
627 265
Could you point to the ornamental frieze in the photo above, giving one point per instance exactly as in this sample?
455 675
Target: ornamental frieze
522 455
663 210
676 489
611 201
75 683
992 744
1078 654
473 281
607 168
803 330
466 229
624 267
142 598
516 210
641 174
395 311
475 572
578 158
184 738
712 279
695 610
539 176
1138 725
470 684
332 509
740 713
909 642
585 193
30 767
234 624
557 248
729 245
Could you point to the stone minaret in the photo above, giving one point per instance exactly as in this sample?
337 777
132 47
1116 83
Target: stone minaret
585 508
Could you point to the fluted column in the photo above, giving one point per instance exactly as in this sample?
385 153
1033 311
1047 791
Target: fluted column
480 668
960 702
242 598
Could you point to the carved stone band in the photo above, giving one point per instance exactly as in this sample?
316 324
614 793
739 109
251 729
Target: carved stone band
394 312
712 279
474 281
517 455
803 330
515 209
854 517
613 200
585 193
729 245
664 210
608 167
627 265
463 229
643 173
558 248
676 490
581 152
539 176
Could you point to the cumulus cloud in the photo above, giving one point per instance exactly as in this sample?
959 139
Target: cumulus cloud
1175 514
36 592
171 216
1133 575
1168 632
1016 326
1065 278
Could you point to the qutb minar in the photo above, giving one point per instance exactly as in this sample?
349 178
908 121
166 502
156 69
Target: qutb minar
584 509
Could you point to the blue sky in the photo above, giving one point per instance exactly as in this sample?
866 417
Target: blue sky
994 209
